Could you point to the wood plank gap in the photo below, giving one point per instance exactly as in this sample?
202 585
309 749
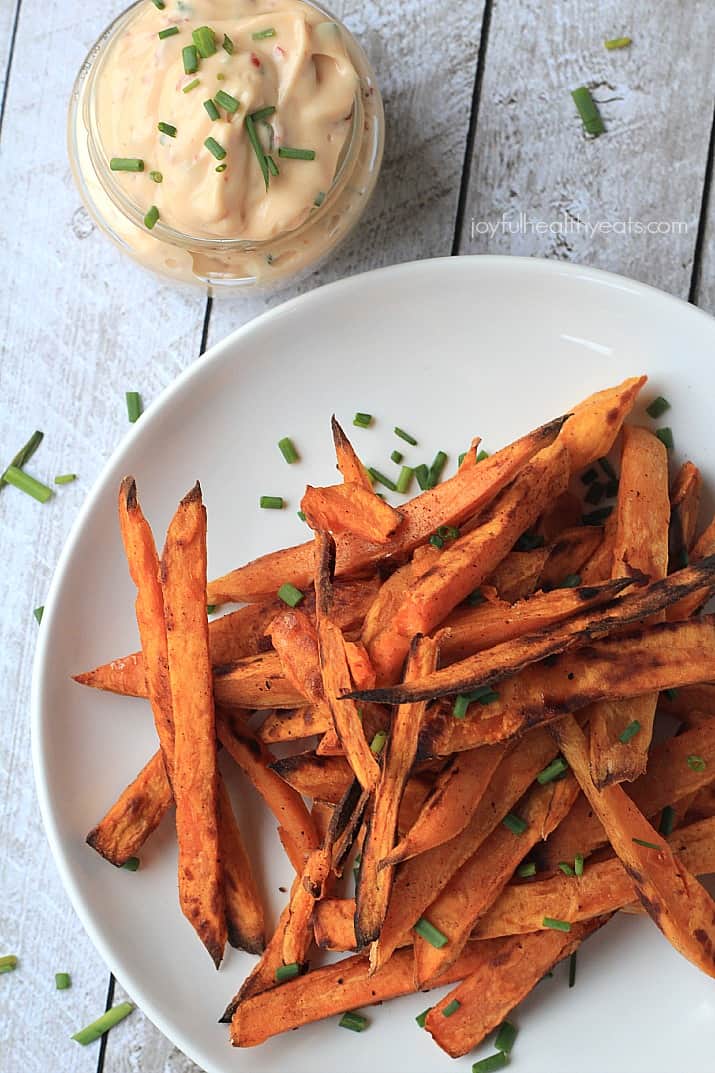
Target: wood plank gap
694 291
103 1042
207 322
8 69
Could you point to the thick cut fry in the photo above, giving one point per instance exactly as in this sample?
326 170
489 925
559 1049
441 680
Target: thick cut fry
658 657
449 503
332 990
324 778
420 880
594 424
263 975
334 924
599 566
485 668
684 509
389 598
568 553
451 803
672 897
517 576
508 970
244 911
667 780
295 639
296 828
183 577
350 466
690 605
468 561
255 682
137 812
481 879
641 546
604 887
287 725
350 508
306 891
336 671
375 883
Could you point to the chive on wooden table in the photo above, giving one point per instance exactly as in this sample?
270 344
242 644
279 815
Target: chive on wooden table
485 154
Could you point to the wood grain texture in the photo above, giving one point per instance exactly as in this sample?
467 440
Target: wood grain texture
531 154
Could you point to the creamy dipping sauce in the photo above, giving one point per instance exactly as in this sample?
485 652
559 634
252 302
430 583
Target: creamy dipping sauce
228 123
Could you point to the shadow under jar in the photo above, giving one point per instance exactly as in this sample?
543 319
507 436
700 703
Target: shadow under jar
228 143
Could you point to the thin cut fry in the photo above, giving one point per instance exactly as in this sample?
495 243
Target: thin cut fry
594 424
684 509
293 725
244 911
334 924
518 575
380 616
350 508
599 567
295 639
255 682
569 552
137 812
690 605
183 577
263 975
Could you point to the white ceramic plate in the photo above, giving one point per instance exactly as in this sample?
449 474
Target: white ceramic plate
447 349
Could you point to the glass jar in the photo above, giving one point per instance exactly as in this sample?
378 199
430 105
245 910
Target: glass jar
226 263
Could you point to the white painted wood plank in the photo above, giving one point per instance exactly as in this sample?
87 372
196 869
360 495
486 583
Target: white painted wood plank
705 290
8 9
424 56
531 154
79 325
145 1050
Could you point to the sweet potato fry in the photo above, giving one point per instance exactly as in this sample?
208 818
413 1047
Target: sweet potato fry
599 566
641 545
375 882
183 578
295 639
657 657
681 703
594 424
449 503
255 682
298 933
684 509
673 898
333 990
667 780
485 668
508 970
350 466
334 924
517 576
324 778
564 513
690 605
420 880
263 975
124 676
350 508
569 552
293 725
481 879
244 911
702 806
604 887
137 812
379 618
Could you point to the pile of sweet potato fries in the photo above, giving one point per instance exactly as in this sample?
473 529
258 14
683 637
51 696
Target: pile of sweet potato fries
483 705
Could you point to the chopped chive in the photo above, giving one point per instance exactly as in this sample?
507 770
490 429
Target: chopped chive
608 469
405 479
131 864
159 3
556 925
595 494
167 128
527 869
362 420
430 934
436 541
405 436
380 478
134 405
319 199
25 453
578 864
170 31
65 478
658 407
8 963
617 42
612 489
461 458
210 106
221 167
422 1017
205 42
191 85
62 981
156 177
271 502
665 435
514 823
214 148
287 449
529 542
422 475
190 57
566 868
296 154
229 103
571 581
552 771
475 598
227 44
696 763
126 163
263 113
38 613
667 821
397 457
461 703
630 732
301 515
482 455
378 742
290 595
272 166
210 608
151 217
27 484
451 1007
648 845
572 969
492 1063
670 694
589 476
260 35
505 1037
354 1021
104 1023
437 467
287 972
484 695
595 517
448 532
257 148
588 110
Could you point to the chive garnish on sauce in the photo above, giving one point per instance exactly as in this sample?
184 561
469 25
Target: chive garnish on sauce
261 35
205 42
272 166
229 103
27 484
156 177
263 113
159 4
191 85
190 58
296 154
104 1023
430 934
227 44
221 167
170 31
214 148
134 405
126 163
588 110
319 199
167 128
290 595
210 106
257 148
